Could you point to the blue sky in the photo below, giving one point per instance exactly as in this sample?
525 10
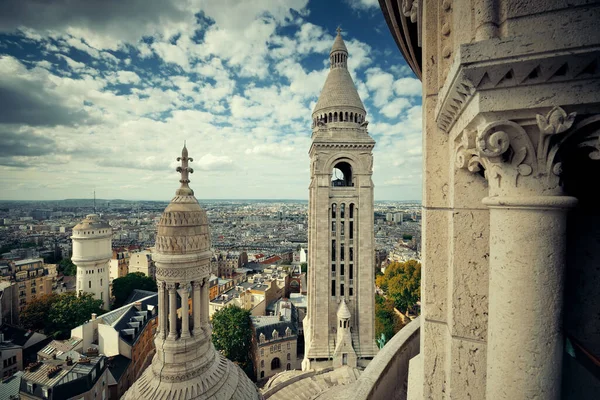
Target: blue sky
101 95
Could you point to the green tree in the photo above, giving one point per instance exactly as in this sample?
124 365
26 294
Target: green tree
232 336
386 319
67 267
70 311
402 283
122 287
303 267
35 314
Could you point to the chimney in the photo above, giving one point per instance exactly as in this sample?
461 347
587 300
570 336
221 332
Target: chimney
94 315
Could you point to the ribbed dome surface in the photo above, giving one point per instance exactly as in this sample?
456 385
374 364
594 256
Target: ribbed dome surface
343 311
339 91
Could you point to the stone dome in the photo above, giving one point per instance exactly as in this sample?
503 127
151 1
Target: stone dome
91 221
343 312
339 91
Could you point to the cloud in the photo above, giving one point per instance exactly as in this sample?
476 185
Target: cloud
106 24
29 97
21 142
363 4
209 162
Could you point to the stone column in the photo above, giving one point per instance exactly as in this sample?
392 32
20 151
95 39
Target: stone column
527 260
527 250
196 307
172 311
162 311
185 312
204 305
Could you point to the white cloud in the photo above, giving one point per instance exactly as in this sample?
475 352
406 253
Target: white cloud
209 162
363 4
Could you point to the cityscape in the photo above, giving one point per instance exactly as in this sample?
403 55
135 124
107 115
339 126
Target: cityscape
299 199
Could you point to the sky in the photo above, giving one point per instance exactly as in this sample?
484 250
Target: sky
101 95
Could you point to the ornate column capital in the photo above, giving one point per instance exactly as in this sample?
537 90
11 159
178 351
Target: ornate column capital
196 285
170 286
519 161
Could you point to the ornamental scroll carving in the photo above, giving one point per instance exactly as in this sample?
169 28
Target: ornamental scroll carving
507 153
182 274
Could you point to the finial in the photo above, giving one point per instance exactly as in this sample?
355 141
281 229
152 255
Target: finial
185 170
339 31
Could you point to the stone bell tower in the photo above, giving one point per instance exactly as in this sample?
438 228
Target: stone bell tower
186 364
340 235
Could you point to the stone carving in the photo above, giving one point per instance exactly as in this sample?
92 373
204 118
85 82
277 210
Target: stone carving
183 274
509 72
507 152
410 8
171 286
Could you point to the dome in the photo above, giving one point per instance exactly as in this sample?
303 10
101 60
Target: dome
91 221
343 312
339 90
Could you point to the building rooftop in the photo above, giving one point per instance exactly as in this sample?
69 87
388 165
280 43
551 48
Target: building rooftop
9 387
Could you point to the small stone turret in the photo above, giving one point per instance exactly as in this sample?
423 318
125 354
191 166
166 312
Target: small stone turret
344 353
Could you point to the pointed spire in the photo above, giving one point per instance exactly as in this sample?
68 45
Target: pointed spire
343 312
185 170
338 43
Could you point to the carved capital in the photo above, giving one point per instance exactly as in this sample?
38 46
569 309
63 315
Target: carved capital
518 161
171 286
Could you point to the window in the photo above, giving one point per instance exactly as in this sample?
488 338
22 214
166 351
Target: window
262 363
351 255
288 357
333 250
262 352
289 345
333 226
341 289
333 207
342 228
90 284
342 270
350 291
342 210
262 374
342 252
289 366
275 363
351 270
100 281
333 287
29 387
279 347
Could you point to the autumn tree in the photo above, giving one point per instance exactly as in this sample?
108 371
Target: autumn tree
35 315
401 283
122 287
232 335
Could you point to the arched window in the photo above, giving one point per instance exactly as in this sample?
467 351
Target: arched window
288 357
342 210
335 117
275 334
333 250
275 363
346 116
289 366
330 117
351 210
351 117
342 174
333 210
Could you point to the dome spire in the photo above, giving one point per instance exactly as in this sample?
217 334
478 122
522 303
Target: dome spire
185 170
338 56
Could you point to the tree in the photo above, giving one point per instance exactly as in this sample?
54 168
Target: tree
386 319
122 287
70 311
303 267
402 283
35 314
56 315
232 335
67 267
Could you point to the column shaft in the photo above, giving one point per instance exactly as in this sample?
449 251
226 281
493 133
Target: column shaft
527 259
172 312
204 304
185 312
162 311
196 308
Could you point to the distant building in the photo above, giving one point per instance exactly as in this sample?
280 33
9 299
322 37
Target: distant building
274 341
142 262
92 252
18 347
31 279
70 378
119 263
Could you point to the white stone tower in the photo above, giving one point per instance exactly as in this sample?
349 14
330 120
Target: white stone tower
186 364
340 235
92 250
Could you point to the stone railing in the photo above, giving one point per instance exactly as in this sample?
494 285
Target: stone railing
386 377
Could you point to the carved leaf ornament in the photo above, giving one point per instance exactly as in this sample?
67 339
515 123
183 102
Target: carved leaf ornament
506 151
